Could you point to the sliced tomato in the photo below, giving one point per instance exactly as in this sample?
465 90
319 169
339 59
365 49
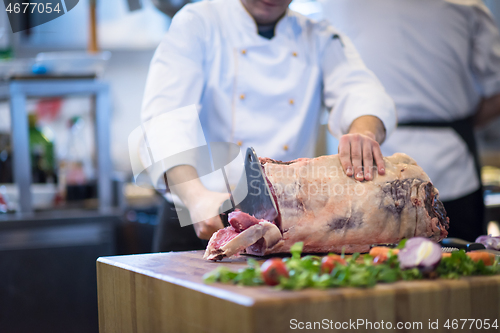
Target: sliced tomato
328 263
272 270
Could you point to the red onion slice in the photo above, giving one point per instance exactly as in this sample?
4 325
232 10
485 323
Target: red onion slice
489 242
421 253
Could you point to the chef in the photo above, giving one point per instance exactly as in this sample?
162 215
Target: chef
440 62
258 74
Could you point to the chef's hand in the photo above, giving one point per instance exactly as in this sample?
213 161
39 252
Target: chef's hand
361 146
207 205
202 204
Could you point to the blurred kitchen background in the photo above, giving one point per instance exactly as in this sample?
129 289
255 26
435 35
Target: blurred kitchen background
79 211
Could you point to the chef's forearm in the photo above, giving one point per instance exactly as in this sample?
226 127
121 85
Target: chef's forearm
183 180
370 126
488 111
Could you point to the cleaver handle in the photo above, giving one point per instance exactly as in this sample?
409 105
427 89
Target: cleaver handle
224 210
462 244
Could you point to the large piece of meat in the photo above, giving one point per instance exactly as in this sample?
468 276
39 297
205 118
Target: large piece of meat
322 207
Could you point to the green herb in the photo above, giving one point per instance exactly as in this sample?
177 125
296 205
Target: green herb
401 244
296 250
249 276
220 274
459 264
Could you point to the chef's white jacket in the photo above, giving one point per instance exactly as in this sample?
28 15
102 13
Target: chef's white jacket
253 91
437 59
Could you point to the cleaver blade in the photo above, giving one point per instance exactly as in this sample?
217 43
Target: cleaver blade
258 201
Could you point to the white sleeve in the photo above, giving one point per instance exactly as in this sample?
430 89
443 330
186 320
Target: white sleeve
486 52
176 76
173 91
350 89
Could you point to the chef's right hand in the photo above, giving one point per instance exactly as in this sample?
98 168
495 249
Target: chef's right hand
202 204
204 212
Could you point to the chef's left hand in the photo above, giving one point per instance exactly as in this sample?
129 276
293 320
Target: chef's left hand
361 146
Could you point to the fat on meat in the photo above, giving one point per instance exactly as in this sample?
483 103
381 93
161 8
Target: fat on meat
328 211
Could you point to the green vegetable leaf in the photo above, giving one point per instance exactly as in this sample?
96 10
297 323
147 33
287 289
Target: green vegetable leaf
220 274
402 243
249 276
388 275
296 250
355 257
460 264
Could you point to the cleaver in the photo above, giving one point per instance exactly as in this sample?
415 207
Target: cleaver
462 244
258 200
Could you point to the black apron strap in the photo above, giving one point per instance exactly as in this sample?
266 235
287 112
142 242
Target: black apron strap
464 128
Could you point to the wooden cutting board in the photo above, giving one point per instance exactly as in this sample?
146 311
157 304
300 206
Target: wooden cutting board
164 292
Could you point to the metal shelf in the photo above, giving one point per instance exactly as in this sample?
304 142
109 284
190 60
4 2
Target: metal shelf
19 90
